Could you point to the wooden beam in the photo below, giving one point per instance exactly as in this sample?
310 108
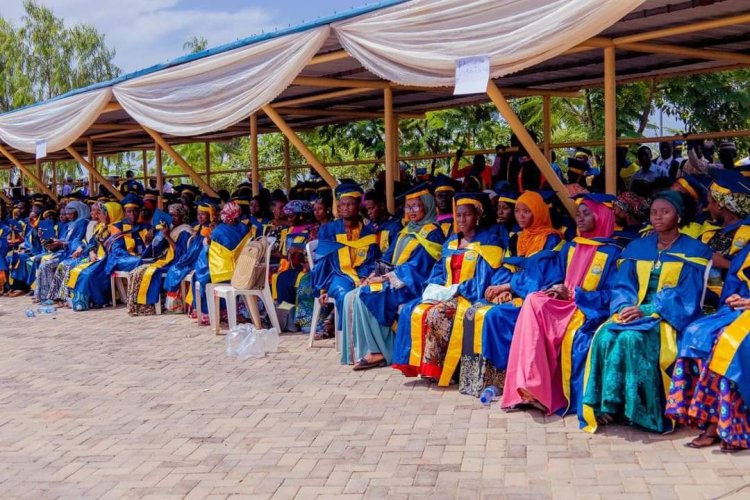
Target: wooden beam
344 113
320 97
92 160
5 198
287 164
207 161
54 176
27 171
202 185
391 153
144 166
159 174
610 121
116 133
254 173
336 55
92 171
675 50
507 91
532 149
299 145
547 126
116 126
319 81
684 29
112 106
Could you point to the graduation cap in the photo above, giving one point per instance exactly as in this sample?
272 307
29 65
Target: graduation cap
442 182
548 195
240 198
415 192
151 195
600 198
693 187
46 229
583 153
508 196
131 201
208 204
187 189
348 190
730 181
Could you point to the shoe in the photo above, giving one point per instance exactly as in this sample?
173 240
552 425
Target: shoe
363 364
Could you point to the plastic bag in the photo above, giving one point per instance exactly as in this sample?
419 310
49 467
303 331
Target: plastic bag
270 339
244 342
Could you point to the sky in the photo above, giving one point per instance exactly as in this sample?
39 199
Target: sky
147 32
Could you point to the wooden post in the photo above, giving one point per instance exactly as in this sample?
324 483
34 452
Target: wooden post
536 154
202 185
547 126
207 161
26 170
390 150
54 176
92 160
287 169
159 175
299 145
610 121
92 171
144 165
254 173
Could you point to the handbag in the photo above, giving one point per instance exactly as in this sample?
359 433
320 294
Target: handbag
250 268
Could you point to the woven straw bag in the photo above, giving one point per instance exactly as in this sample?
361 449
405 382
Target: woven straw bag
250 268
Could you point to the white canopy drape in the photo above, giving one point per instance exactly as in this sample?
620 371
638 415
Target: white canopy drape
215 92
58 123
419 42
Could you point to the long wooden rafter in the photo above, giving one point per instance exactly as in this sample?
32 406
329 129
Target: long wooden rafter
28 172
94 172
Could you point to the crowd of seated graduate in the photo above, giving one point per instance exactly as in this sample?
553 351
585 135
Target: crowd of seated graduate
636 309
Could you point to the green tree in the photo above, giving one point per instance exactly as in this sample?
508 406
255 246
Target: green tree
195 44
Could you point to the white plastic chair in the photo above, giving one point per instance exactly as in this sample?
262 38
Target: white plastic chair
310 250
115 285
184 286
229 294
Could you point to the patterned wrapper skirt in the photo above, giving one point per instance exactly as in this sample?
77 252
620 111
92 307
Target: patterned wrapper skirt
476 373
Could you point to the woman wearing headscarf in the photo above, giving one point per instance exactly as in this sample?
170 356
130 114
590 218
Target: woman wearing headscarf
207 216
216 262
656 293
631 212
144 286
75 232
89 280
428 341
367 339
555 326
729 207
529 265
80 253
711 377
292 249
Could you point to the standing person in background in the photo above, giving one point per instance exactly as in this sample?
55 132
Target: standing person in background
384 225
478 169
444 189
131 185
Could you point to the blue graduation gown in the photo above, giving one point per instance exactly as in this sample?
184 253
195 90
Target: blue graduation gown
334 270
413 267
215 263
386 232
186 261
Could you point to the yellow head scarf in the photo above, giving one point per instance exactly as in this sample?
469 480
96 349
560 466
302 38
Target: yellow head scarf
533 238
114 211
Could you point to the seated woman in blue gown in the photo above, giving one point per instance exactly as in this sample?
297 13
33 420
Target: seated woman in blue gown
656 293
368 336
529 265
207 218
62 248
216 261
145 284
711 377
428 341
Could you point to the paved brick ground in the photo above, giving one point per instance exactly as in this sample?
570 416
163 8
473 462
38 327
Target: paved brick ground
99 404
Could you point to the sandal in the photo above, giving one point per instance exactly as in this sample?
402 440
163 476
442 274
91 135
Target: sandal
703 440
730 448
604 419
323 335
363 364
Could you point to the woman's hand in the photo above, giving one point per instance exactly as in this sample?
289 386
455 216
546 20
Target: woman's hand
559 292
736 301
629 314
493 291
77 253
92 256
503 297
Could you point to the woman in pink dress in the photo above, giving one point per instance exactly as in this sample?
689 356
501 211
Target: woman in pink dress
555 326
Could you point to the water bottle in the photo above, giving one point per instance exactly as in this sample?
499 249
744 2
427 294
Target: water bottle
29 313
488 395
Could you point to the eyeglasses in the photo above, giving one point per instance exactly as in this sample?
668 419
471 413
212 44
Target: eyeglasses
412 208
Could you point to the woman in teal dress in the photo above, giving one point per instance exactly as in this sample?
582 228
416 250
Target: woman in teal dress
656 293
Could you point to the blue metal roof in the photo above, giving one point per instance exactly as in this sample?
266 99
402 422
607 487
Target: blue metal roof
358 11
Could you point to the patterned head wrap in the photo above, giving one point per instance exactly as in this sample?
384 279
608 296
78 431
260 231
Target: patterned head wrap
298 207
177 209
633 204
230 213
737 203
